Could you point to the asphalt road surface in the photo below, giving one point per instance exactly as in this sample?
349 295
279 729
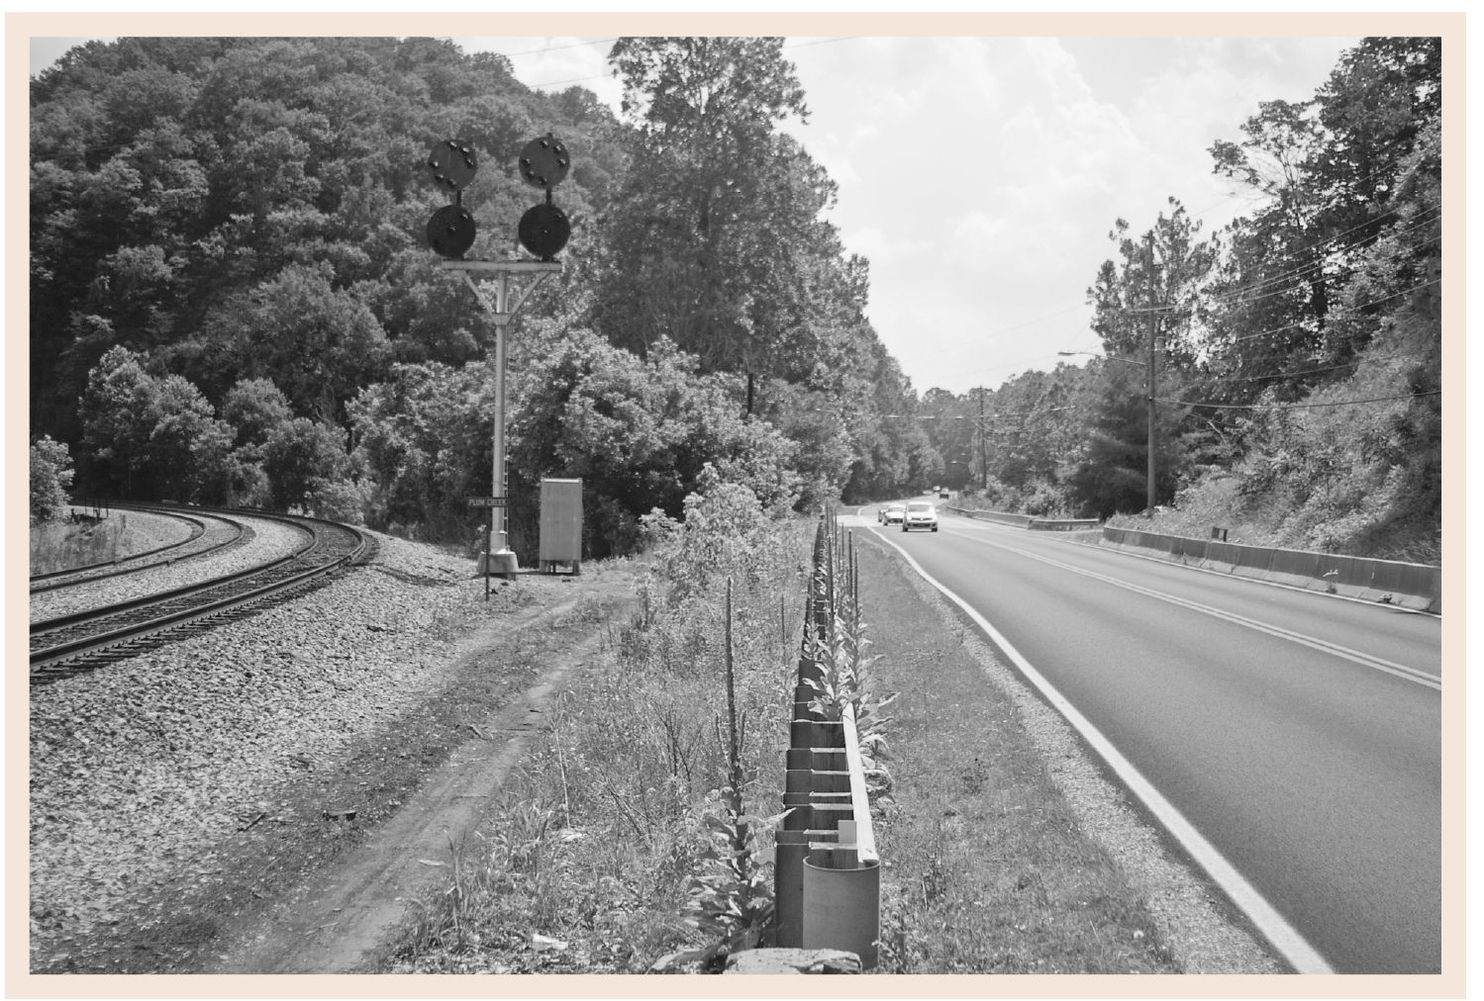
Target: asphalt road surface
1290 740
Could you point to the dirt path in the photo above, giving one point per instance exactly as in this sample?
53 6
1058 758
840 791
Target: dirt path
337 921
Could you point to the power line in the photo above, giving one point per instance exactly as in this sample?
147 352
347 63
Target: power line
1265 286
1233 380
1290 326
1330 245
1297 406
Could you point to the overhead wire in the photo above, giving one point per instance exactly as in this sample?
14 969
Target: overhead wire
1291 326
1432 215
1232 380
1291 277
1297 406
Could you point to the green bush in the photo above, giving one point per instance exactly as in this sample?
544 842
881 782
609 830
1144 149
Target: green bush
51 480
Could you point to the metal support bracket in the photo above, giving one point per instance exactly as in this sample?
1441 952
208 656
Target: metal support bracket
508 302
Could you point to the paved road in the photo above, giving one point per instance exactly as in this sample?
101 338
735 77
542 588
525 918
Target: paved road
1298 734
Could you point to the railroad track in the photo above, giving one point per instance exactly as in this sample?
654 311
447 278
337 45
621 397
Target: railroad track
222 534
73 644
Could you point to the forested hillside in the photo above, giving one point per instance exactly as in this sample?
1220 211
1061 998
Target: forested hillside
1297 352
233 301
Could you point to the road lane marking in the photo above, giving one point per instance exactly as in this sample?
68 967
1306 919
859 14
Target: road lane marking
1403 671
1283 937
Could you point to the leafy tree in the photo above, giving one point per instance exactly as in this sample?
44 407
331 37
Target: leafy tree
712 233
117 413
424 437
1145 311
1330 170
1111 473
51 480
183 430
639 433
301 458
1153 290
179 185
252 411
319 344
255 408
1272 291
1378 101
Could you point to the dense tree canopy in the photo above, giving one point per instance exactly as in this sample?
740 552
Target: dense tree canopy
233 300
230 272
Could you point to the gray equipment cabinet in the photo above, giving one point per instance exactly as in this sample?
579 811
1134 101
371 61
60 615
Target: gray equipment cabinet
561 525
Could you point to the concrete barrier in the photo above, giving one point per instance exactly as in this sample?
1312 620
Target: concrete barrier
1002 517
1062 524
1408 585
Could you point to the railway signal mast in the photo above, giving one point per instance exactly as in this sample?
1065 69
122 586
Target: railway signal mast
543 231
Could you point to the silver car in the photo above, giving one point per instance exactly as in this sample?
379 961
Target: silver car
920 514
891 514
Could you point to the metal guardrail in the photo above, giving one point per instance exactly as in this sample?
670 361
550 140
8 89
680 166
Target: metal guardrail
827 873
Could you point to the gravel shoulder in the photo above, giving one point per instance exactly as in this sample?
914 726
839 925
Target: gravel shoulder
179 797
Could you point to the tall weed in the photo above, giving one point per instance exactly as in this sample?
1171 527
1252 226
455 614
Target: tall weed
652 842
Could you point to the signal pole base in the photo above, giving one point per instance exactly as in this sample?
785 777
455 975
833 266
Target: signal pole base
501 563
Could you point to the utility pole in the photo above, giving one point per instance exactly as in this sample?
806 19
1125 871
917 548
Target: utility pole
983 462
1150 380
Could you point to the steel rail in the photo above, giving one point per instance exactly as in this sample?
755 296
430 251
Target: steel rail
313 562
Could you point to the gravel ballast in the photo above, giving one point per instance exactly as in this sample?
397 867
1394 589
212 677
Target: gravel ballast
145 775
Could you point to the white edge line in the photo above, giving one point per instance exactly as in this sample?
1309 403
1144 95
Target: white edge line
1302 956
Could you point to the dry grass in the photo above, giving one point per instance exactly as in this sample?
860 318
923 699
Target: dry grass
59 545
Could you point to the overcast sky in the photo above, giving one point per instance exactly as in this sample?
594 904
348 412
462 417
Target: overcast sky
982 175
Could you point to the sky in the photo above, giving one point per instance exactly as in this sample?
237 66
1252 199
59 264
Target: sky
981 176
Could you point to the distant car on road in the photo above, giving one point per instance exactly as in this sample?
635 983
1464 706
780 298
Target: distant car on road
920 514
891 514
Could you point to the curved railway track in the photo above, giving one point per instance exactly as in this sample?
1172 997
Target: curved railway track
80 642
205 539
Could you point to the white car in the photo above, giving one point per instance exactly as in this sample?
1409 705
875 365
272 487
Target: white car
920 514
891 514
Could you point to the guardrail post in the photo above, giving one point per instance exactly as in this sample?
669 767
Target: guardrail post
826 872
